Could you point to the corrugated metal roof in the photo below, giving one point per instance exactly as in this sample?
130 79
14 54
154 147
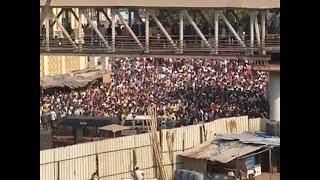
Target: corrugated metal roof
79 80
233 153
223 152
227 147
252 138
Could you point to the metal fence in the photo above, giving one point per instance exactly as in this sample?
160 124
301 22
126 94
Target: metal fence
115 159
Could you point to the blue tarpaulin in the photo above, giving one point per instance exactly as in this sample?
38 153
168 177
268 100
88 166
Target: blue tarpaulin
250 162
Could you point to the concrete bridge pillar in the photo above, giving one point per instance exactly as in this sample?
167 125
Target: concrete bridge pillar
274 95
274 88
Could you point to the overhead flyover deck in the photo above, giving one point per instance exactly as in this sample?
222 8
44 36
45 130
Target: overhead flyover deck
256 58
219 4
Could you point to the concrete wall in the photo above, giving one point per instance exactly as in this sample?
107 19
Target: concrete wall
55 65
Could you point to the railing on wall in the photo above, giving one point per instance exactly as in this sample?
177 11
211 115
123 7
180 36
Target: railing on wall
116 158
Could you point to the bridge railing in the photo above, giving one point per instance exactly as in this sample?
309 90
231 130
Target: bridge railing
227 43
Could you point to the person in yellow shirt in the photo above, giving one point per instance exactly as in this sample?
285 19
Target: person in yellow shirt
125 102
46 107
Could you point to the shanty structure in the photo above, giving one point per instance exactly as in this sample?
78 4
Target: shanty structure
230 153
74 80
274 86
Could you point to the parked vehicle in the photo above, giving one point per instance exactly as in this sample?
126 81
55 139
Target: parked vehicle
78 129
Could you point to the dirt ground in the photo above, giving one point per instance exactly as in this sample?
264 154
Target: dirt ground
266 176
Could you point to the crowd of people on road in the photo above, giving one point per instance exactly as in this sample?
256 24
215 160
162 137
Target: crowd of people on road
185 91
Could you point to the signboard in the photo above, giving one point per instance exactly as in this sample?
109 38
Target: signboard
257 169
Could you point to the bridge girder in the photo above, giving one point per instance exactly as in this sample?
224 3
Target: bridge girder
256 58
179 49
222 4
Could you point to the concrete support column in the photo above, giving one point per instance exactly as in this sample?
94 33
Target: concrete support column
147 16
274 95
263 32
251 31
113 30
181 32
216 31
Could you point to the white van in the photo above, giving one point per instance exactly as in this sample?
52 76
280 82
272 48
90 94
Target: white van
137 123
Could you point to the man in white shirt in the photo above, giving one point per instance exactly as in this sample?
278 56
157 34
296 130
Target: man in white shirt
138 174
53 118
77 112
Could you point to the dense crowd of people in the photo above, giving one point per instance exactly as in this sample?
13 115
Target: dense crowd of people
185 91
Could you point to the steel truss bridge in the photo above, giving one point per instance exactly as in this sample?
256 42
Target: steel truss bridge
256 45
